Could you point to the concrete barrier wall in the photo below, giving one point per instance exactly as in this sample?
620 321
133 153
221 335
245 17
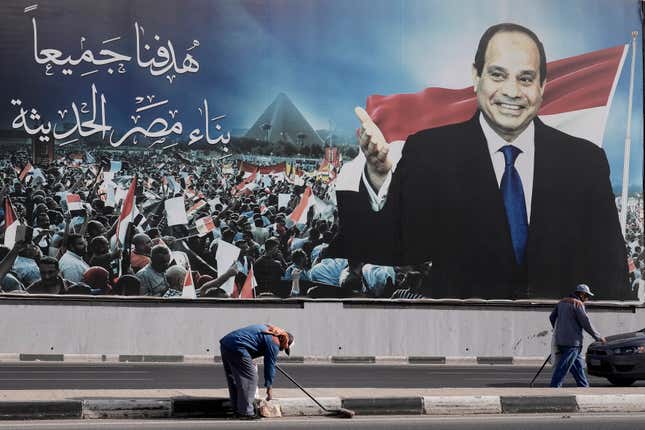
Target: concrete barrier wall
322 328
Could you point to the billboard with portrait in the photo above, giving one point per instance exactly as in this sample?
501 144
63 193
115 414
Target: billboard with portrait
497 151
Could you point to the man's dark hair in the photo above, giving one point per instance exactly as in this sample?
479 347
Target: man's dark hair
73 237
159 250
507 27
271 243
48 260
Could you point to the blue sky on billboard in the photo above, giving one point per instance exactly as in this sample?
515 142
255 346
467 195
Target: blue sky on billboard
326 55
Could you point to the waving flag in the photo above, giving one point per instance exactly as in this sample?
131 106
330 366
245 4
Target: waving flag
244 183
128 212
299 214
74 202
248 289
188 292
205 225
11 223
197 206
577 99
26 171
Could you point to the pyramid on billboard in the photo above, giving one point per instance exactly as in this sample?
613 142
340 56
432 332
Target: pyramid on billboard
282 121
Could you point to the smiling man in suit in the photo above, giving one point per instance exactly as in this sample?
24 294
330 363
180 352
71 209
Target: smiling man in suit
503 205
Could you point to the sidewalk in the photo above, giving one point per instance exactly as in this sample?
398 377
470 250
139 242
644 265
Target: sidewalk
149 404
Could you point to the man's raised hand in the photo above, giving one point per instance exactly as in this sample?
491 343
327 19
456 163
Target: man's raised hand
374 147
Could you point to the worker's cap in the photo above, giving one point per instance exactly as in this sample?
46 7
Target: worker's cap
583 288
287 350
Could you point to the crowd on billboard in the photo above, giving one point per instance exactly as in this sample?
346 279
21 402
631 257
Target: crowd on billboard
151 224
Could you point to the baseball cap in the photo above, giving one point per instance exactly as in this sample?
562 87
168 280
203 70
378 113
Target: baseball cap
583 288
287 350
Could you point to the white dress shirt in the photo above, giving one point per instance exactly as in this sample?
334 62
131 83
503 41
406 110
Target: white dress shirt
524 163
72 267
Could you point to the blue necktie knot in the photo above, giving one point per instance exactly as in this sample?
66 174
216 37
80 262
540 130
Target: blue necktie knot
510 154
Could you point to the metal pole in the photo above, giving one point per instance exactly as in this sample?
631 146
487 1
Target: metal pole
628 142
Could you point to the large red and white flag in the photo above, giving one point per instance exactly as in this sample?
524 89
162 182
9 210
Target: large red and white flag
128 212
577 99
11 223
299 214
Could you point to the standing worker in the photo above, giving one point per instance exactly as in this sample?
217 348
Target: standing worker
238 349
568 319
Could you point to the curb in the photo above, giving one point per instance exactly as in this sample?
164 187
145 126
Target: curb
385 405
538 404
217 407
41 410
335 359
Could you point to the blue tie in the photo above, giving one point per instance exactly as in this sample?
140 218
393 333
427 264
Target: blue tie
514 202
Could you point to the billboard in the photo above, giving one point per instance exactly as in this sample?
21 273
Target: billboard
499 154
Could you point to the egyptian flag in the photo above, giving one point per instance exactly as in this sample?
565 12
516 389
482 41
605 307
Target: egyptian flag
25 171
245 182
205 225
577 100
128 212
197 206
11 223
299 214
188 292
248 289
74 202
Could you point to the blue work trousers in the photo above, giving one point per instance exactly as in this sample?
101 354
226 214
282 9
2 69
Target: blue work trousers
242 380
569 359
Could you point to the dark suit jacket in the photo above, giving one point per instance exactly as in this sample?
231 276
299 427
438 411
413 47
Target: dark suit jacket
444 205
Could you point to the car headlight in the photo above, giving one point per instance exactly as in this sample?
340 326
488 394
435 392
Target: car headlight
634 349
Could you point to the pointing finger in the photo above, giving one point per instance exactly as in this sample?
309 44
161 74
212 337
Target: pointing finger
362 115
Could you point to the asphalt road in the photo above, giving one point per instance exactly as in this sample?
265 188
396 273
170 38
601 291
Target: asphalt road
509 422
38 376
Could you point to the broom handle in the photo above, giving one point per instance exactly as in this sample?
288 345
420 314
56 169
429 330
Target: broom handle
299 386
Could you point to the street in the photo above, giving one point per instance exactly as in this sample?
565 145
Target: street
41 376
508 422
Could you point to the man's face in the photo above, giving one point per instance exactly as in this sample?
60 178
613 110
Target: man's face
79 246
244 248
509 93
43 220
48 273
102 247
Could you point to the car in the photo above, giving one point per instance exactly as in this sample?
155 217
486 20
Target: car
621 359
